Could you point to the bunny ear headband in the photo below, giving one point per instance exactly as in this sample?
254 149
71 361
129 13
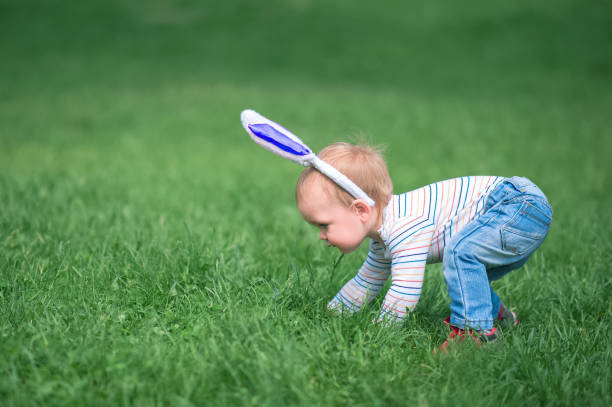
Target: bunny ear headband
274 137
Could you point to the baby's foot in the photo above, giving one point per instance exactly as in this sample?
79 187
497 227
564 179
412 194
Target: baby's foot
458 335
507 317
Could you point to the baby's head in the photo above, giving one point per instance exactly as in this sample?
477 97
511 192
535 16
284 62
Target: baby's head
344 220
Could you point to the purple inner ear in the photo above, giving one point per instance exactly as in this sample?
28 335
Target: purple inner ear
275 137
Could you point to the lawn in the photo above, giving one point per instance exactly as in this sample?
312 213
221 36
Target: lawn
150 253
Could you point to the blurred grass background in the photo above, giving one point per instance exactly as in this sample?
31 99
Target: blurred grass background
151 253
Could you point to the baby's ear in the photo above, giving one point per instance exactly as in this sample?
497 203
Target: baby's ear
362 209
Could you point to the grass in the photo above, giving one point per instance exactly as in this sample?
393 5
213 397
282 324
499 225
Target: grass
151 254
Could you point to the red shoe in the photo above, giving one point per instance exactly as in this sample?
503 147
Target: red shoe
507 317
457 335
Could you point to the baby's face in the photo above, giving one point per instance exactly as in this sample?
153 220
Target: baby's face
338 225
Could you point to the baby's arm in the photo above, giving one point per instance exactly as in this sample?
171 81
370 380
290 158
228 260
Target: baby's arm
409 250
365 285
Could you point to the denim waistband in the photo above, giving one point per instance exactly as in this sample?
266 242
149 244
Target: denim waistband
511 188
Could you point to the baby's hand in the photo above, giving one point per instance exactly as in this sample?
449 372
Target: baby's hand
388 321
339 307
335 306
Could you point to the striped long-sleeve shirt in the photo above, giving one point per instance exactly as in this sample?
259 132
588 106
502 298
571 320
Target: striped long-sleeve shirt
415 228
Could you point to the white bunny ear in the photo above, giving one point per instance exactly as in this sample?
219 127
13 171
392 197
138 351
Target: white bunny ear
275 138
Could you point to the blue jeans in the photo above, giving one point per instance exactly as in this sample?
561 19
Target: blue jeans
515 222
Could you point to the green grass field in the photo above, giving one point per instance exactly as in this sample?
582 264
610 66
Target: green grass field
150 253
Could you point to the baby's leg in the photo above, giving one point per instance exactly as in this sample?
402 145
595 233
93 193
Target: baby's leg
496 303
465 273
515 224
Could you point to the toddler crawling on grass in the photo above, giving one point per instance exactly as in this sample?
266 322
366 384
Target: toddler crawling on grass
479 227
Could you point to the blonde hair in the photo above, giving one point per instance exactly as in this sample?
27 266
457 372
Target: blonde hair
362 164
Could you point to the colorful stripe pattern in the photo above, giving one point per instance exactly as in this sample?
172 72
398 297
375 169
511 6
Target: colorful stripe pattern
423 221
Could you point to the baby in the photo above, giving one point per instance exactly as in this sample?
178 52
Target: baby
479 227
